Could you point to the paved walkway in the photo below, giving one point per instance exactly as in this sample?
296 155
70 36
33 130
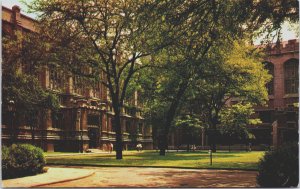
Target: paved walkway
53 175
161 177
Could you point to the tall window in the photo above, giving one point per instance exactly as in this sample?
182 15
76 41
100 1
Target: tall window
140 128
270 85
127 127
57 120
56 79
291 75
96 89
78 85
113 125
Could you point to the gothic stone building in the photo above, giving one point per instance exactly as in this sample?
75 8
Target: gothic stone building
85 119
280 116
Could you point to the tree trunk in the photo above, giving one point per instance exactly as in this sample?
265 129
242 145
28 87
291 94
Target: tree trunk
214 122
169 118
163 142
119 142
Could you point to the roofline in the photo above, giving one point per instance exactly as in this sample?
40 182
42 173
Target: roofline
22 15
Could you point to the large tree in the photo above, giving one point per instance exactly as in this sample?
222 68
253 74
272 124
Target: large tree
231 72
94 37
111 36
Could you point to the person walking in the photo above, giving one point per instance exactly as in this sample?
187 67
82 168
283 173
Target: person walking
111 147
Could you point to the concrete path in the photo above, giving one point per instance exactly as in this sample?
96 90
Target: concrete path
53 175
161 177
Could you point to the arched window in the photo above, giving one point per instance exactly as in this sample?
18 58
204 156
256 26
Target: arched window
270 85
291 76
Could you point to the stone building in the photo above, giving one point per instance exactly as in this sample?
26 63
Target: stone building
280 116
85 118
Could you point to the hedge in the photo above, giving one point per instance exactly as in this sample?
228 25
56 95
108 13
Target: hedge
21 160
280 168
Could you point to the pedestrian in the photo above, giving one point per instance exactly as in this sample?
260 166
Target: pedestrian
111 147
139 147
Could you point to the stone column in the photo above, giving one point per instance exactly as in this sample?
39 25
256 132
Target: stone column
104 121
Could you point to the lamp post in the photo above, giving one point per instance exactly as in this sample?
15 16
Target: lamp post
210 156
11 107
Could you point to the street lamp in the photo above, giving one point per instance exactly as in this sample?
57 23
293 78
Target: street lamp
210 156
11 107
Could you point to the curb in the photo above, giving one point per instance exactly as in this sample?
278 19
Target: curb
90 165
61 181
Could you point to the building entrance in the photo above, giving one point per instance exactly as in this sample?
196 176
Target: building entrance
93 134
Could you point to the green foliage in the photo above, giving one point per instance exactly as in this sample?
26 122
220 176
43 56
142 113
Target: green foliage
189 121
23 59
280 168
22 160
234 121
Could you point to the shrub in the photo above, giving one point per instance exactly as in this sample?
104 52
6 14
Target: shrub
22 160
6 165
279 168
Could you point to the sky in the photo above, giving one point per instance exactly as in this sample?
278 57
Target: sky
286 32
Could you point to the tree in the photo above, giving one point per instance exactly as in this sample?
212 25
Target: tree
22 60
104 37
189 125
111 36
234 121
231 72
224 21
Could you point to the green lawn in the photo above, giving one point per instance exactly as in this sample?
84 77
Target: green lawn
234 160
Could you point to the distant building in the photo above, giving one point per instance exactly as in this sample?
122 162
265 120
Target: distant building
85 119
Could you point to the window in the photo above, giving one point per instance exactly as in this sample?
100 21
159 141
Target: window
127 127
96 89
113 125
78 85
56 79
270 86
140 128
265 116
94 120
291 74
57 120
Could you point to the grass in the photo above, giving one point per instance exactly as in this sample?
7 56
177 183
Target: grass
221 159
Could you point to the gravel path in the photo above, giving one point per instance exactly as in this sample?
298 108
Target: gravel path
162 177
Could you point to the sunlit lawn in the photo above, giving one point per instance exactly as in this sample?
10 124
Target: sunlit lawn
234 160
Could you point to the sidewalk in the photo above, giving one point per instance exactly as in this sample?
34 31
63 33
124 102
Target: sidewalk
93 152
53 175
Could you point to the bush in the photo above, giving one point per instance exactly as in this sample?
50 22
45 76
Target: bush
22 160
279 168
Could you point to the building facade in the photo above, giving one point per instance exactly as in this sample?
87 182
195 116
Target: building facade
280 116
85 117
